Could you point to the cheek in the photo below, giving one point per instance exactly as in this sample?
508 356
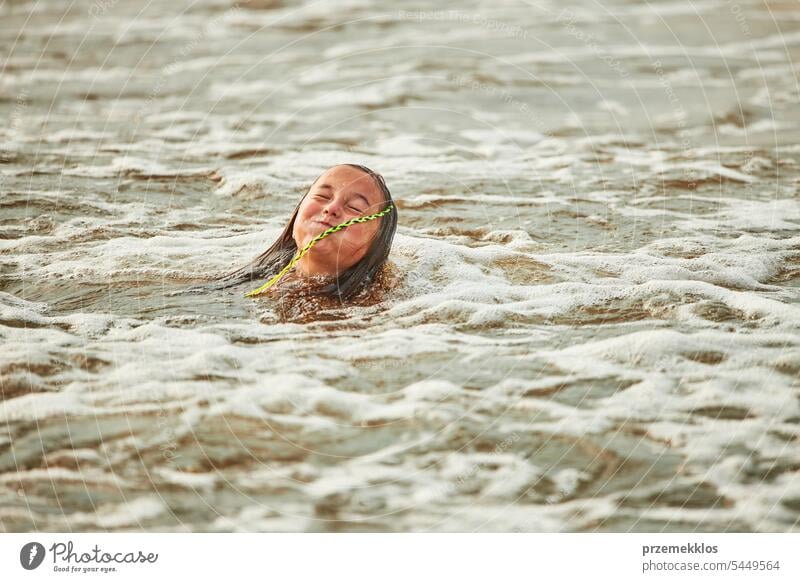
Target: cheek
351 243
297 228
305 213
308 209
358 237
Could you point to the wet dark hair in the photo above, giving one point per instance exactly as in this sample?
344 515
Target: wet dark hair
349 282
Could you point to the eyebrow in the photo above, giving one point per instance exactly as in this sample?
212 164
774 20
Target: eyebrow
329 187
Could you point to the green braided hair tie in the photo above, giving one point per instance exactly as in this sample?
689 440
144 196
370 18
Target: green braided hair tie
265 287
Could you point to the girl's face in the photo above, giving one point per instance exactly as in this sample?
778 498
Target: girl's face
341 193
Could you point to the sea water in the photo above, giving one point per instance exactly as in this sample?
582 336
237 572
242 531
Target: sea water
594 323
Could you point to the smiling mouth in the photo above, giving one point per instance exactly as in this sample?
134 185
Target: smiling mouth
327 224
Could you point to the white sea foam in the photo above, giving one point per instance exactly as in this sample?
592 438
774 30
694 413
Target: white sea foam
586 319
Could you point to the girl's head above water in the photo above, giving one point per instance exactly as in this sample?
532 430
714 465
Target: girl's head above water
340 194
349 259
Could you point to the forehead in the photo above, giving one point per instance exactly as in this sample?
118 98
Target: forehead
348 179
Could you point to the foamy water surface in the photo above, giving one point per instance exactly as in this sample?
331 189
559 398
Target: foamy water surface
595 326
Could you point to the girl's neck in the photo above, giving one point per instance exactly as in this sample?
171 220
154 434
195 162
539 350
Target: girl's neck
307 269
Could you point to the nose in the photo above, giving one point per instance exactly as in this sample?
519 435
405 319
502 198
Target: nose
332 208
